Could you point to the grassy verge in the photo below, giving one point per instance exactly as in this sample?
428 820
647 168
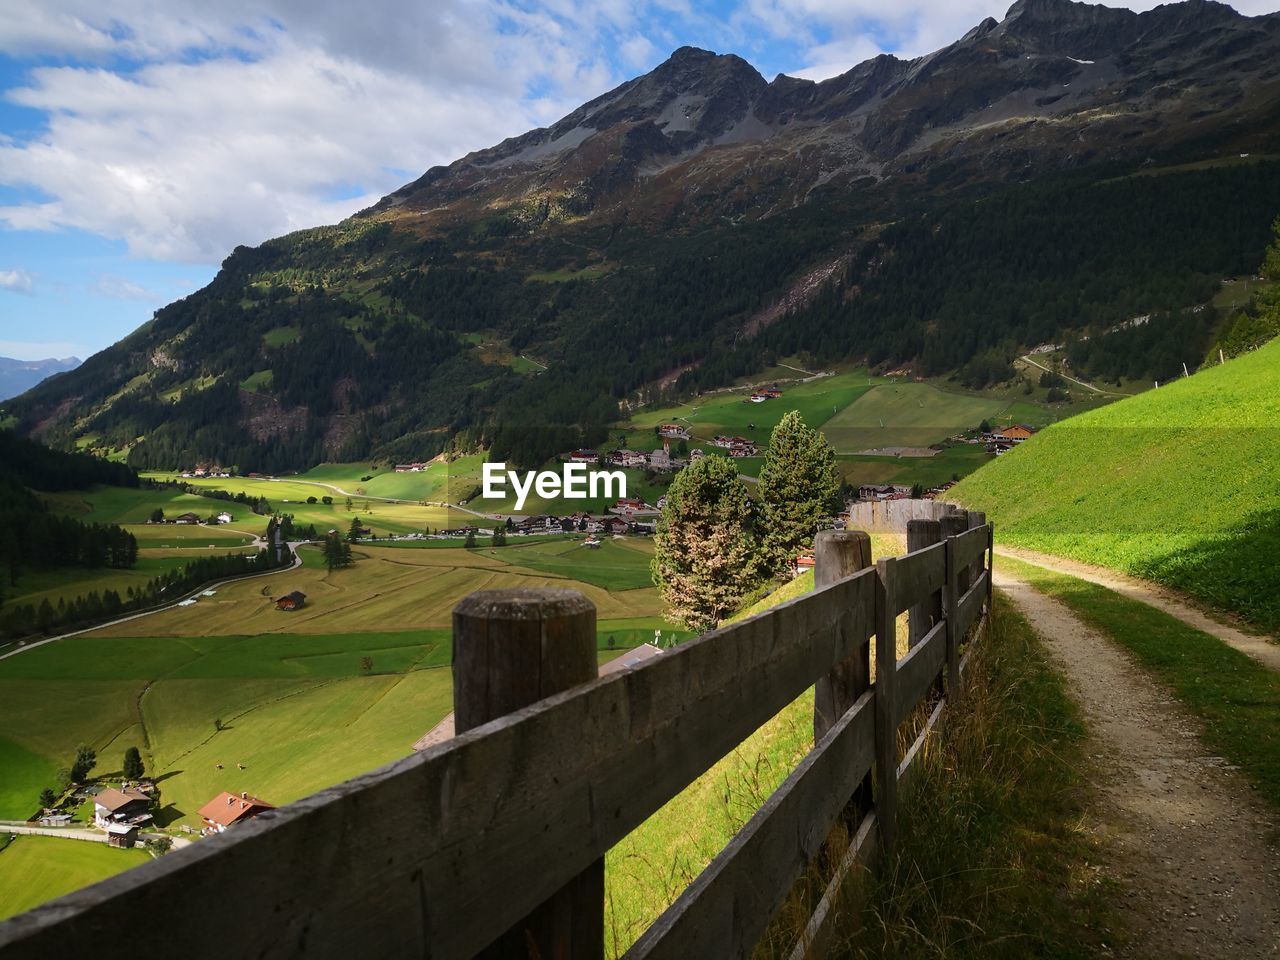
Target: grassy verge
1237 697
992 861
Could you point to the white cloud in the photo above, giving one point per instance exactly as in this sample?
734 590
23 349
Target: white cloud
122 288
184 128
16 281
289 108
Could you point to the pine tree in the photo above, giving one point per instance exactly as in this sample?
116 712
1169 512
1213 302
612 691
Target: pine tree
1271 264
132 768
86 759
704 551
799 487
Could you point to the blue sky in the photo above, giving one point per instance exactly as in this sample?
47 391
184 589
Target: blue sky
139 146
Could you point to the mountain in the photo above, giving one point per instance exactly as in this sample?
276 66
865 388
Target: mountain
18 376
1063 169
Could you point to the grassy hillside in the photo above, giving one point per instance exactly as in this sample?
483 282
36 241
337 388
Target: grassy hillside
1180 484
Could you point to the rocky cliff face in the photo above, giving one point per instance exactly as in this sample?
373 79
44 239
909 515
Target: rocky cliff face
1054 84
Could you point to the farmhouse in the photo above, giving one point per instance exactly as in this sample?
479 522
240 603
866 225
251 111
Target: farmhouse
126 805
123 835
410 467
627 458
228 808
224 517
292 601
186 518
583 456
891 491
673 431
1018 432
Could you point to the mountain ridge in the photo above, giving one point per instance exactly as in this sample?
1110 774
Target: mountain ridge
18 376
669 230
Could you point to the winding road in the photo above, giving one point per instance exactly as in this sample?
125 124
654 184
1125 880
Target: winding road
297 562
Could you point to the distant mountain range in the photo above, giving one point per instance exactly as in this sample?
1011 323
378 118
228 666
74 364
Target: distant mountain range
698 222
19 376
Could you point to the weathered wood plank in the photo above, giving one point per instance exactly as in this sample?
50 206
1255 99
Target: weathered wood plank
421 845
816 940
922 616
918 669
970 546
726 909
886 785
839 554
917 576
969 607
910 767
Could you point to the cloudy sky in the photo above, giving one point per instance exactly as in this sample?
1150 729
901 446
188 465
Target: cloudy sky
139 146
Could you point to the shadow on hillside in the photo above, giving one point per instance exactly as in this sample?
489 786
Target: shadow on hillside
165 776
1237 570
168 814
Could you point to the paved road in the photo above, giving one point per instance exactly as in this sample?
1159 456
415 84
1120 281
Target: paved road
82 833
1087 386
297 562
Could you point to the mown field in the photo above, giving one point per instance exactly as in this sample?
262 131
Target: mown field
34 870
1178 485
732 413
285 702
906 415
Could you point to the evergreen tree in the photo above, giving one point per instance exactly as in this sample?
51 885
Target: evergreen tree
704 551
1271 262
86 759
471 539
48 798
132 767
353 532
799 487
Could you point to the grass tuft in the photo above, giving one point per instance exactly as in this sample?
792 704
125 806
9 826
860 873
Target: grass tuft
993 858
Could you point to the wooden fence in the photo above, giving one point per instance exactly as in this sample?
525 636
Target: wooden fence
493 843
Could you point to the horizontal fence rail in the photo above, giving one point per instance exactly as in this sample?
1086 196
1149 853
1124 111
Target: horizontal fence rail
492 842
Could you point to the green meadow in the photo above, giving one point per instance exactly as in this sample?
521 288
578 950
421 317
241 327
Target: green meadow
34 870
732 412
230 693
906 415
1179 485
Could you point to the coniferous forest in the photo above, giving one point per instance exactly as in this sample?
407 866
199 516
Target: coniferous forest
362 340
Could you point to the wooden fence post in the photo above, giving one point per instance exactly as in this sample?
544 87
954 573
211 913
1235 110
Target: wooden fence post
838 554
952 526
512 648
886 709
922 617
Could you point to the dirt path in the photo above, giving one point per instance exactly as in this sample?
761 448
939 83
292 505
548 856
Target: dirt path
1188 837
1159 597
